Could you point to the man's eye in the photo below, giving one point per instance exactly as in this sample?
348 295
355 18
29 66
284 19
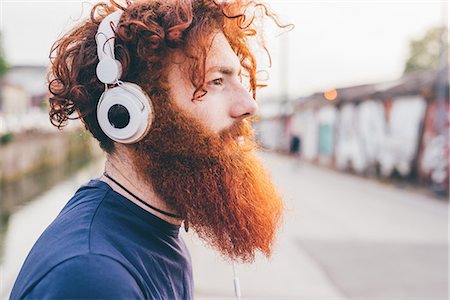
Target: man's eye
218 81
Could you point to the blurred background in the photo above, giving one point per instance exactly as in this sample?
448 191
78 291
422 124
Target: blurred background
354 128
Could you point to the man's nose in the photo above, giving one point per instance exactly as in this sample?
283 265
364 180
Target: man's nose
244 106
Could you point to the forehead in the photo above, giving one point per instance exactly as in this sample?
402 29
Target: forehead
221 54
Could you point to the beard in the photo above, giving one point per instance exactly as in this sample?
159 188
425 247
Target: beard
213 181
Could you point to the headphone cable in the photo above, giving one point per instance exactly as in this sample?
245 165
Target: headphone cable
140 200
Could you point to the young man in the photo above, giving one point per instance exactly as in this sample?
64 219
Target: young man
160 84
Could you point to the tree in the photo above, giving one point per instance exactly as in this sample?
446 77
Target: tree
3 64
425 51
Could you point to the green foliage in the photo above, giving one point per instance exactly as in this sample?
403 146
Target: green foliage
424 52
3 66
6 138
3 63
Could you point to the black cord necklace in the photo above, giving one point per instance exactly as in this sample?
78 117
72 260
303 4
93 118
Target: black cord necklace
140 200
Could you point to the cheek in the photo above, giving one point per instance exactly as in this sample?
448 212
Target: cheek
213 113
200 110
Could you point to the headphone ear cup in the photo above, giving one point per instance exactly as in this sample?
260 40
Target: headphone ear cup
125 113
109 70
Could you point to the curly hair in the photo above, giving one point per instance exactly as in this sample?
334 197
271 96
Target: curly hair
146 34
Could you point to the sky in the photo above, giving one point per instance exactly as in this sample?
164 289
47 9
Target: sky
334 43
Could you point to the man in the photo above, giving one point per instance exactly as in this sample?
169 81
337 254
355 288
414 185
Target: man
178 68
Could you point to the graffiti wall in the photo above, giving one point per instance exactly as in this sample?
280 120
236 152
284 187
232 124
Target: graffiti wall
434 150
371 126
306 124
365 137
349 151
395 136
397 129
401 138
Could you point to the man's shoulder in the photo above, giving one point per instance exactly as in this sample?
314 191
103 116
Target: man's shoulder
66 238
70 230
85 276
87 198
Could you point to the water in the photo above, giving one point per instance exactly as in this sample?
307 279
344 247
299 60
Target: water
29 206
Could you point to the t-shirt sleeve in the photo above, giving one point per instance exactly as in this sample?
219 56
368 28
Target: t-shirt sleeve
87 277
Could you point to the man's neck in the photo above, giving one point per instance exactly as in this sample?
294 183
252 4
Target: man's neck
120 168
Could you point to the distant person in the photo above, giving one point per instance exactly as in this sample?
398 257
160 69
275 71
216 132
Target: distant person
160 85
295 146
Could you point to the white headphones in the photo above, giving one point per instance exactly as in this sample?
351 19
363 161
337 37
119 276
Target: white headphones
124 111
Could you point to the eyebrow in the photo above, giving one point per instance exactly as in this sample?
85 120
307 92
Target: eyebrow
224 70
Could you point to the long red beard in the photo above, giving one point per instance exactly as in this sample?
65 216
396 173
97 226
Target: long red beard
212 180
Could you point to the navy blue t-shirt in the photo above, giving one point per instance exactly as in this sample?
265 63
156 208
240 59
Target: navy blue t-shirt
103 246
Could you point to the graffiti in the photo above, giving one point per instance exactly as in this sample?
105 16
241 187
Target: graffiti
371 127
367 139
401 139
309 134
434 164
393 129
349 152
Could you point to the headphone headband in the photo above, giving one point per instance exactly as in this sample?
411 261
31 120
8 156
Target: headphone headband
105 35
109 69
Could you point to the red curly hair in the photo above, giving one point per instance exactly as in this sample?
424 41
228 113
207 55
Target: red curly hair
147 33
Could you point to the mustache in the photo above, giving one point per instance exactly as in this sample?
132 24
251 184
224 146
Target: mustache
240 132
